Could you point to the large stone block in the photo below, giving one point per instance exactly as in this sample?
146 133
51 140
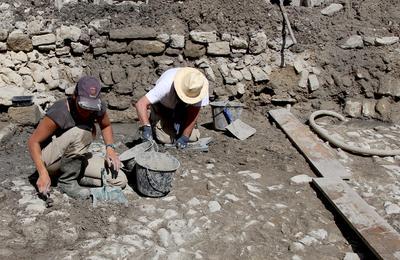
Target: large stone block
353 42
71 33
258 74
116 47
177 41
239 43
353 108
368 107
100 25
134 32
3 34
43 39
144 47
25 115
258 42
331 9
203 37
19 41
219 48
389 85
193 50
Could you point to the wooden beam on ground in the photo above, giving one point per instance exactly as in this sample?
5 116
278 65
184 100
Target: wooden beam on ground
376 233
321 157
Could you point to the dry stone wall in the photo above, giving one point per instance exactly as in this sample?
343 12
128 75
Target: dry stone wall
45 58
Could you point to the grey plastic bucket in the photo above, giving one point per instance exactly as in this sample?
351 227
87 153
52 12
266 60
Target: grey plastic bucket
154 173
128 157
220 121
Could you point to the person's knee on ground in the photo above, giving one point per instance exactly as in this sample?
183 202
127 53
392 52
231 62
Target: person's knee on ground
70 171
92 175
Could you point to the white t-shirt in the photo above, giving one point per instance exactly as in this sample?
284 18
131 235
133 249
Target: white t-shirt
164 91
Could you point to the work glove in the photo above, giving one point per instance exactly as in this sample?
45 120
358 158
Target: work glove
147 133
182 142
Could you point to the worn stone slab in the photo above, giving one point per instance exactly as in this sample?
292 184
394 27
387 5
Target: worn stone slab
43 39
332 9
203 37
321 157
134 32
374 231
240 129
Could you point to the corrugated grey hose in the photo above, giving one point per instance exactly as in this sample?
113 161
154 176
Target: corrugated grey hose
353 149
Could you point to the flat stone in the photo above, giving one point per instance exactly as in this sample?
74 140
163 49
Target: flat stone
43 39
25 115
144 47
391 208
219 48
355 41
313 82
116 47
99 51
389 85
98 42
177 41
386 41
258 74
214 206
368 107
19 41
101 26
79 48
369 40
203 37
239 43
237 74
164 38
193 50
353 108
134 32
301 179
331 9
71 33
47 48
246 74
63 51
303 82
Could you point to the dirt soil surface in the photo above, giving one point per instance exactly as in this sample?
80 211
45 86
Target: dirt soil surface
236 201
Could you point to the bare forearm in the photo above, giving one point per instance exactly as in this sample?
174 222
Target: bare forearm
141 109
36 155
107 134
192 116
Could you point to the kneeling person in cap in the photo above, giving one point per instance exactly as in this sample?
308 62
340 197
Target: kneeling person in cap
175 103
59 144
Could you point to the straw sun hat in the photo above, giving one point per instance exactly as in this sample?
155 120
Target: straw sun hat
190 85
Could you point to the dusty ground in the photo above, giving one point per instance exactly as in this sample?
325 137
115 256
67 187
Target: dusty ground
261 214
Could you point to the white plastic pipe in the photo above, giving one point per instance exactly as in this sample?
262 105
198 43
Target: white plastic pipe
353 149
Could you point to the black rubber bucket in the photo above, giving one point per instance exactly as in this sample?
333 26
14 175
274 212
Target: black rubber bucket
155 173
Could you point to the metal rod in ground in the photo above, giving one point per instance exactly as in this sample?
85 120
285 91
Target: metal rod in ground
285 16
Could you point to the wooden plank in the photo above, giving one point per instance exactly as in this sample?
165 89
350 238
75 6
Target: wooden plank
376 233
321 157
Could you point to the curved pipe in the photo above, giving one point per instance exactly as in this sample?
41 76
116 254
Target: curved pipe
353 149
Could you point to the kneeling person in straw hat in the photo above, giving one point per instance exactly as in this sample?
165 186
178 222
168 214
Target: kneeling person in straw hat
175 103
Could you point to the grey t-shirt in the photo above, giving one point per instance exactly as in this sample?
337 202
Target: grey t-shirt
65 116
